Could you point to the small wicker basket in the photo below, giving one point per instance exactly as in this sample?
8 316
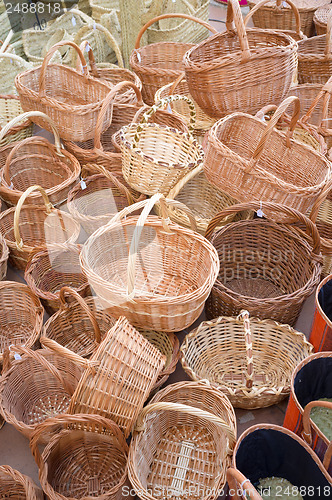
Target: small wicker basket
321 16
13 484
251 361
10 107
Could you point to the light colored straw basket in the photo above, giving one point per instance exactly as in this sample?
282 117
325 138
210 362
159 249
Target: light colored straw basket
314 55
49 270
36 387
252 160
4 254
28 229
11 137
166 292
49 88
101 42
85 458
182 444
10 66
250 360
155 158
21 316
245 70
13 484
35 160
119 376
279 14
100 7
10 108
160 63
321 16
258 275
79 325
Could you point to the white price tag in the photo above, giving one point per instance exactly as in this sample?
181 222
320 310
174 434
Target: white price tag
83 185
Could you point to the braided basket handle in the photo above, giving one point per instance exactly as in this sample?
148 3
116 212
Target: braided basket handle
84 306
189 410
235 478
48 57
48 206
170 16
111 42
234 14
278 7
68 354
325 94
65 419
106 173
294 214
109 100
270 126
244 315
306 433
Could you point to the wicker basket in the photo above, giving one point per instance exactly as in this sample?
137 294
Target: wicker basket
49 270
80 462
49 88
251 361
79 326
35 160
36 387
255 273
168 295
10 107
160 63
314 55
100 7
251 160
24 327
27 229
4 254
155 158
13 484
182 445
119 377
10 137
321 16
246 71
278 14
10 66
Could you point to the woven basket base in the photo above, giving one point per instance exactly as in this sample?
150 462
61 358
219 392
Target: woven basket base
257 287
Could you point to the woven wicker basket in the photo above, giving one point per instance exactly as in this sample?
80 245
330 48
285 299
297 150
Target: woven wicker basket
183 443
251 361
86 458
100 7
13 484
246 70
160 63
10 107
251 160
9 138
278 14
314 55
49 270
49 88
36 387
119 377
35 160
25 326
10 66
168 295
27 229
155 158
79 326
321 16
255 273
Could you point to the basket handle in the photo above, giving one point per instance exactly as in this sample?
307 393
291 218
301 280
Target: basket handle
109 100
48 57
84 306
306 433
65 419
325 94
170 87
270 126
121 187
67 353
85 46
24 117
266 109
234 477
328 45
148 206
14 57
319 200
234 14
244 315
294 214
189 410
111 42
48 206
170 16
183 181
278 7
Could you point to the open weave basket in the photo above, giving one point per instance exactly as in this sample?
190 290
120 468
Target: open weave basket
50 269
240 71
252 160
255 273
158 64
321 16
190 429
13 484
166 292
10 107
250 360
86 458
